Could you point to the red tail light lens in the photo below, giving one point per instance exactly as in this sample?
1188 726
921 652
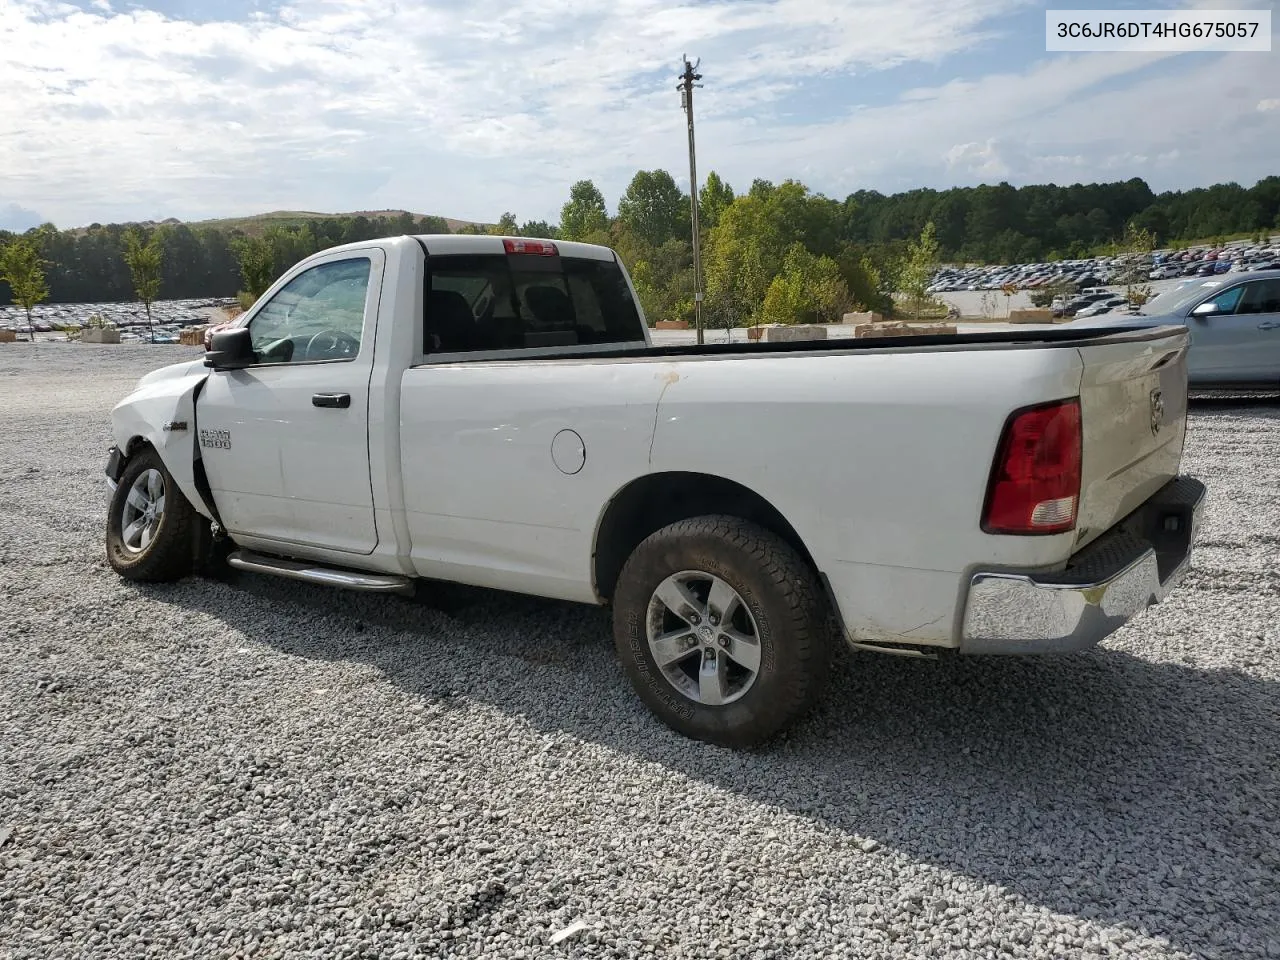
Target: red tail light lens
1035 483
543 248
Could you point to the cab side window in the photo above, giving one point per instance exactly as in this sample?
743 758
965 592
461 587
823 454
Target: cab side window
1260 296
317 316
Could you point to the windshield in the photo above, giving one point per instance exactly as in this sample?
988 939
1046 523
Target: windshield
1172 300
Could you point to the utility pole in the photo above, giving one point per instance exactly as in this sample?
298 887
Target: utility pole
686 89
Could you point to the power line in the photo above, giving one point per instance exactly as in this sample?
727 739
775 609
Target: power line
687 83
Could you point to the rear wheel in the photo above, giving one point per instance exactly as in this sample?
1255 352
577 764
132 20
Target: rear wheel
723 630
150 525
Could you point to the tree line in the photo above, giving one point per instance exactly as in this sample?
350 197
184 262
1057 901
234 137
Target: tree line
776 252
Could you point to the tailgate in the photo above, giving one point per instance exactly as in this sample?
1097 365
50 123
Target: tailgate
1133 406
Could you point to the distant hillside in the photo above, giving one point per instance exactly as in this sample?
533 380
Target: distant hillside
258 222
261 221
202 259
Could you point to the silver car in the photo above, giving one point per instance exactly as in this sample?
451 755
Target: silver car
1234 321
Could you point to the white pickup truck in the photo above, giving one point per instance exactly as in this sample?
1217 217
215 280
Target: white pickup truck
492 411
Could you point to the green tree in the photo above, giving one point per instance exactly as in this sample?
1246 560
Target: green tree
713 199
863 279
809 289
831 299
664 280
740 261
654 209
506 226
585 214
22 267
429 225
1135 248
145 259
257 266
538 228
746 249
918 268
785 301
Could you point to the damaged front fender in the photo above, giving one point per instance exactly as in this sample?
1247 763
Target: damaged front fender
161 411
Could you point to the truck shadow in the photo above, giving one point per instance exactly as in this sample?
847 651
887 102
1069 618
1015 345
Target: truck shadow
1105 786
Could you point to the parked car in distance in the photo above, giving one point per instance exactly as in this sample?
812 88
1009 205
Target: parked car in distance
1106 305
1234 326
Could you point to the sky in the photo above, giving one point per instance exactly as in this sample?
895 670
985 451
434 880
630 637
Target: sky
125 111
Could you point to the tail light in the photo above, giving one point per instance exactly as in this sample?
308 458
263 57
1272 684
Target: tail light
537 247
1035 482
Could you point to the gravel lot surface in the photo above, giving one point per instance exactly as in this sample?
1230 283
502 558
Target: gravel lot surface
263 769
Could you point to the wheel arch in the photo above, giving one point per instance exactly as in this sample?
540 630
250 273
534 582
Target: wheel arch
135 445
191 480
655 500
163 418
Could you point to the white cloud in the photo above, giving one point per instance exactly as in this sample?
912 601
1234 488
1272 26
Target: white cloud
1266 106
18 218
980 159
1066 119
115 113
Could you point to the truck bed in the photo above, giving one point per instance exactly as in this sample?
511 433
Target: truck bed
996 340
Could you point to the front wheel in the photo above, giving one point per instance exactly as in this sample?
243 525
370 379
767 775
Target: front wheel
150 524
722 629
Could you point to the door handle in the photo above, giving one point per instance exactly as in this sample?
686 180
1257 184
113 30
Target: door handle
1269 324
340 400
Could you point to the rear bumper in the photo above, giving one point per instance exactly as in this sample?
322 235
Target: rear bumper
1135 564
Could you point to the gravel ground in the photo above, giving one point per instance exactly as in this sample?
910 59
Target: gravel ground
262 769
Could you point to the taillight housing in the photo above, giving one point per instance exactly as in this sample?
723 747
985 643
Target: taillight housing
541 248
1035 481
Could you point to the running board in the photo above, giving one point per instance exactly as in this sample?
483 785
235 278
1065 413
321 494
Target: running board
323 576
900 650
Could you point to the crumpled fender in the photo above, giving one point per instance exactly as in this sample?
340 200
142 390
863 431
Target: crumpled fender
162 412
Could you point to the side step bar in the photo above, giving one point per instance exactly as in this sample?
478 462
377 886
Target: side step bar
894 650
321 575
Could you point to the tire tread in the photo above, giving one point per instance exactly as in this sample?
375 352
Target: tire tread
172 554
805 624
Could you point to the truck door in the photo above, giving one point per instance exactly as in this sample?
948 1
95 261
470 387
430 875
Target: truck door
285 442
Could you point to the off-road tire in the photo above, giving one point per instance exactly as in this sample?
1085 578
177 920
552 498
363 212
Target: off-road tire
171 554
784 597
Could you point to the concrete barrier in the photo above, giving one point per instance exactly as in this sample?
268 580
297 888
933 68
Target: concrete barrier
1034 315
900 329
100 335
8 336
790 334
866 316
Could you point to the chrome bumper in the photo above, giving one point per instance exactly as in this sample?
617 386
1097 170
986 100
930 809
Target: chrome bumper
1134 565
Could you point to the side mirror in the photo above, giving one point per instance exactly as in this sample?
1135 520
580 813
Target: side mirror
1206 309
230 349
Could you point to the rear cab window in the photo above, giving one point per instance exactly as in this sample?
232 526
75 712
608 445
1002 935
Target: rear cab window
497 305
